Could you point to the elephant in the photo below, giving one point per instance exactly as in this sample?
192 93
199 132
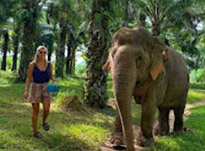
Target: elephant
155 75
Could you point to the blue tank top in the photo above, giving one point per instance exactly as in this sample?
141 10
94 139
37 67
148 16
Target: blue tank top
41 76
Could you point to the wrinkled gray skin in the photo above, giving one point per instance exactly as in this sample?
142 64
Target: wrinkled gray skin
143 67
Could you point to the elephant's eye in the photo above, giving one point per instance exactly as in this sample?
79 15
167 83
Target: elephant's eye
113 52
140 57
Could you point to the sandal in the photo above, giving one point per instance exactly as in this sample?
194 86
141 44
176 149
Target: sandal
37 135
46 126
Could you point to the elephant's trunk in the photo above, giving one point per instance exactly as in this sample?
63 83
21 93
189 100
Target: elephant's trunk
124 78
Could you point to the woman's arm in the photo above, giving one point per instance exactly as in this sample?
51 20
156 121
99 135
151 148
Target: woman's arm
28 79
51 73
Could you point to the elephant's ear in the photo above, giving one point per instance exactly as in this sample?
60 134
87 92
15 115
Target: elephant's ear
156 69
160 55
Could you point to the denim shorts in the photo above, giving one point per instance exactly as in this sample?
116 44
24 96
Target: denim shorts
38 93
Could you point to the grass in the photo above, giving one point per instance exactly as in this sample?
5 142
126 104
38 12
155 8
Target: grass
196 95
69 131
86 130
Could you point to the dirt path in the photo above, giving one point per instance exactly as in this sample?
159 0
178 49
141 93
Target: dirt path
108 147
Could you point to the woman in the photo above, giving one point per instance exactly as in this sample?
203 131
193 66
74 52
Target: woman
41 71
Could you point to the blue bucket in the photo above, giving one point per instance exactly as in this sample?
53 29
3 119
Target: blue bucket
53 88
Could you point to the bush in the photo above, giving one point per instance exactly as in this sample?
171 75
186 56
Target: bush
197 76
6 77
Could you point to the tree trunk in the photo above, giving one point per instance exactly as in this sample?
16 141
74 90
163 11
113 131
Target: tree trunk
95 84
5 50
156 22
50 50
142 19
16 47
29 29
155 27
69 59
60 57
73 59
50 45
49 56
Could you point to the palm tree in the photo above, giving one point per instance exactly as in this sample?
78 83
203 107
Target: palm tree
46 37
30 13
159 10
5 49
16 41
189 36
72 43
52 18
95 84
60 54
142 18
8 8
63 20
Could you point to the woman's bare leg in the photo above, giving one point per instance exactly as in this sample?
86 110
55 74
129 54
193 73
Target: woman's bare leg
35 116
46 109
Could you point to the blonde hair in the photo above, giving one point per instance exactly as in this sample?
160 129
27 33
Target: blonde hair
35 60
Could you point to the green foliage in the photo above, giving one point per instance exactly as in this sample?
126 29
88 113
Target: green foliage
109 86
197 76
196 92
80 70
9 63
6 77
185 33
197 86
7 8
195 95
84 57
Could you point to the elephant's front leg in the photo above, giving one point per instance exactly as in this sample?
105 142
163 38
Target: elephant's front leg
117 138
145 137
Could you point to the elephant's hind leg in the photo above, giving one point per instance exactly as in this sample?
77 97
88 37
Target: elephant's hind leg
162 127
178 113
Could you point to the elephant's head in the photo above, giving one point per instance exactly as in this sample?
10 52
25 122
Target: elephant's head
149 52
135 56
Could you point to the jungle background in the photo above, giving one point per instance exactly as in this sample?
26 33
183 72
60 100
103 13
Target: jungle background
78 36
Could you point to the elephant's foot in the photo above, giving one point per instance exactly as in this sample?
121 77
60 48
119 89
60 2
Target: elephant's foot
142 141
117 139
161 131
